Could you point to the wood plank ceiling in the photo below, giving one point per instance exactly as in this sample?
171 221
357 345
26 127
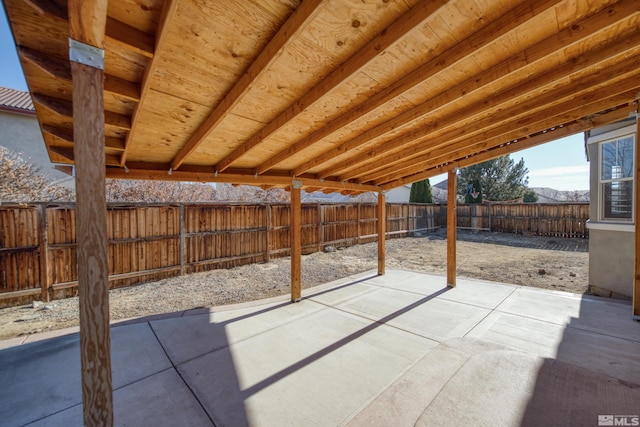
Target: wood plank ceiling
342 95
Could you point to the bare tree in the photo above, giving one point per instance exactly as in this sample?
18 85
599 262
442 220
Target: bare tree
158 191
22 182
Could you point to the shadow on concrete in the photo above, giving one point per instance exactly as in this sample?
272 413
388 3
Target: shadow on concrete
592 377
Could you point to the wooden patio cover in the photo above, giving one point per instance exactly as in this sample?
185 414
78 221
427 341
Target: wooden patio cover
343 95
333 95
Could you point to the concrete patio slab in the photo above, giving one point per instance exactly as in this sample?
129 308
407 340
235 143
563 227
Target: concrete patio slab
400 349
162 399
601 315
606 354
318 370
43 378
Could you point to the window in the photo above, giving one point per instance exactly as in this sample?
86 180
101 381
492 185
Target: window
616 179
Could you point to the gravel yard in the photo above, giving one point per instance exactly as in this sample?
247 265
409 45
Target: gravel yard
550 263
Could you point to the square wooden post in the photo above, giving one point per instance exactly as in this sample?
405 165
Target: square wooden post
296 241
44 253
87 21
183 248
382 229
451 228
636 269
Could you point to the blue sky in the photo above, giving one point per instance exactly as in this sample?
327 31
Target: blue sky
560 164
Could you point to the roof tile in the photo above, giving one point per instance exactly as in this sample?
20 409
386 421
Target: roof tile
15 99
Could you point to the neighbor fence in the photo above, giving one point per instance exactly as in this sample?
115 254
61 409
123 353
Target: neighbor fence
151 242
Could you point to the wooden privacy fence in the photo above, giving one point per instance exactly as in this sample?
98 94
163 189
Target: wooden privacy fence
151 242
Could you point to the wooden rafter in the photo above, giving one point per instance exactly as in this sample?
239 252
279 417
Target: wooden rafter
489 75
370 51
416 143
168 11
64 108
66 134
60 70
123 35
589 102
116 32
462 145
501 150
247 177
379 155
477 40
443 99
291 27
514 130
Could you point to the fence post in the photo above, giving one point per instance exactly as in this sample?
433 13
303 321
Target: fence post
44 253
358 223
268 230
321 226
182 240
319 233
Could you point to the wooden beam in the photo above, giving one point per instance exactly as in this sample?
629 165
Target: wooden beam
398 29
460 50
451 228
48 7
87 20
66 135
378 156
60 70
247 177
531 55
64 108
168 12
125 36
382 228
461 145
116 32
559 132
636 264
293 26
296 242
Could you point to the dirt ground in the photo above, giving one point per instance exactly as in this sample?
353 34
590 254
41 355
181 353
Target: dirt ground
558 264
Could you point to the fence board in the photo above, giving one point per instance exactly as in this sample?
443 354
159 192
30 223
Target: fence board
145 240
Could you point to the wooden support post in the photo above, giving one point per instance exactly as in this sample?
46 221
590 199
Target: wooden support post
319 230
268 231
87 21
358 223
636 269
296 241
44 254
451 228
382 229
182 240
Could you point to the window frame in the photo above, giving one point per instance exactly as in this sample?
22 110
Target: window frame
617 136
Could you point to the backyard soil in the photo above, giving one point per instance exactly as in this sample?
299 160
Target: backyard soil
543 262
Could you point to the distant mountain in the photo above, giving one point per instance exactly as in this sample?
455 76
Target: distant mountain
550 195
545 194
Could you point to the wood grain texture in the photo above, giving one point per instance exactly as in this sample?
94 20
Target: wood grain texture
353 92
382 229
93 262
296 244
452 177
87 21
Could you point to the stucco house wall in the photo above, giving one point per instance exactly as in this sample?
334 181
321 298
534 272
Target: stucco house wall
611 242
20 133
